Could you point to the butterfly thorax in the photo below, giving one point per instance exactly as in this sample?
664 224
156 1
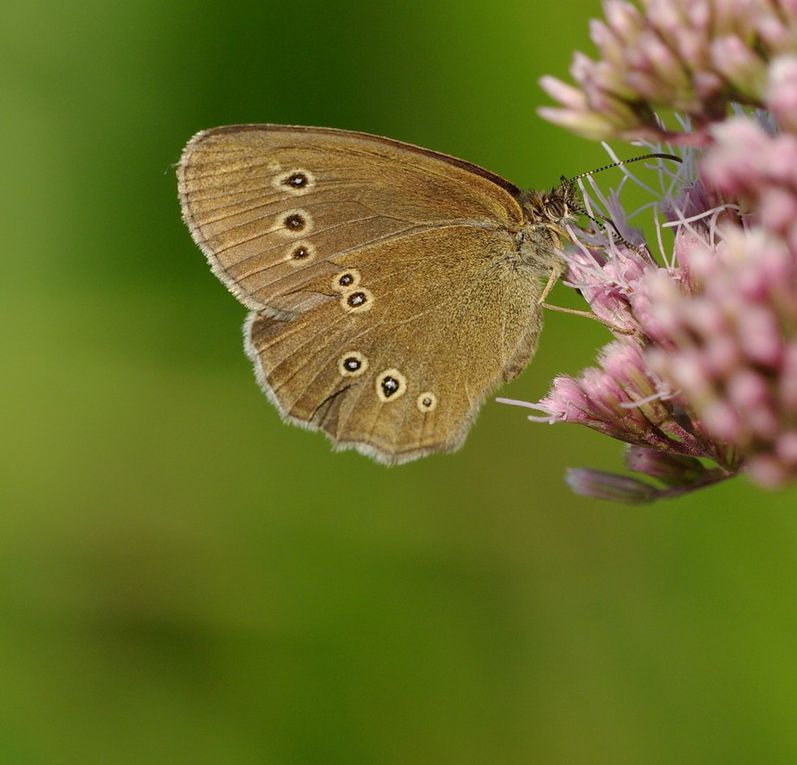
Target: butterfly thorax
546 215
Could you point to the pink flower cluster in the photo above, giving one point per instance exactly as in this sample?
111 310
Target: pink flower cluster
626 396
701 377
727 340
691 56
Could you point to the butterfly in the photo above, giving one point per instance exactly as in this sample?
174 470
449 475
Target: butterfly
390 288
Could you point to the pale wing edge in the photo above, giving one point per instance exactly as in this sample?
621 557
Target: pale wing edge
215 266
454 443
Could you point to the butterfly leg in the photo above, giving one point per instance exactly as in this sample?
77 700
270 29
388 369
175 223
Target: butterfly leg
556 272
587 315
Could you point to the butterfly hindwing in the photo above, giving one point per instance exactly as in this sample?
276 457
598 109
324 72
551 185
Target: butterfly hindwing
406 376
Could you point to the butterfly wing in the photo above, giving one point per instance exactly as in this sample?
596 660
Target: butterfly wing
271 205
387 293
445 327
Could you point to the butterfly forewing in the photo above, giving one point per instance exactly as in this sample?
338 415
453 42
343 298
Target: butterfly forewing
272 205
387 293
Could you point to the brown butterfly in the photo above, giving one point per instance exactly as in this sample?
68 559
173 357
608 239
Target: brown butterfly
390 288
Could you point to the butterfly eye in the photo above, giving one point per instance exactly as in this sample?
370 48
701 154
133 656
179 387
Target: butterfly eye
390 385
426 402
550 210
352 364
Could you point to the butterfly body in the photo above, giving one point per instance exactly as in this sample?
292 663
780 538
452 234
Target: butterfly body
390 288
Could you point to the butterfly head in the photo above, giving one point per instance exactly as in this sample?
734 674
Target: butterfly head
547 215
552 209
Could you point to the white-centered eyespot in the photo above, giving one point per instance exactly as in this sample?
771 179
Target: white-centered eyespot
294 223
352 364
346 280
300 253
426 402
390 385
297 181
357 301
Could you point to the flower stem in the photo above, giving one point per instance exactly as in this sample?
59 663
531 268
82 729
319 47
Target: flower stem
711 477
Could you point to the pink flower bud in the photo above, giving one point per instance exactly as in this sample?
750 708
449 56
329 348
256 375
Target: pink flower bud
767 471
722 420
781 93
786 448
565 94
609 486
623 18
778 207
608 43
759 336
787 387
722 355
749 394
673 469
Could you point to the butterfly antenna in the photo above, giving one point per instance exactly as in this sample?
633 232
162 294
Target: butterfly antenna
625 162
610 222
600 221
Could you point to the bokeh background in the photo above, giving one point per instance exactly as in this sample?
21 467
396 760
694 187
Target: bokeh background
183 579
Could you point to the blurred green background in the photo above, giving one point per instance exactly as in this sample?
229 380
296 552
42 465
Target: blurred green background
183 579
